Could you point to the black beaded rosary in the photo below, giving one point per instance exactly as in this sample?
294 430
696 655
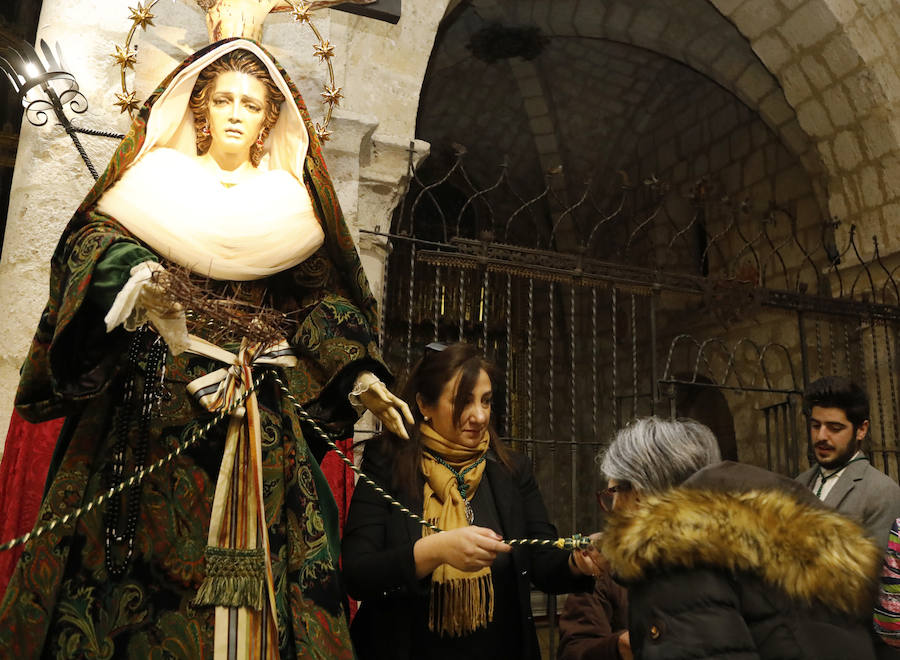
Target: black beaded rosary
132 415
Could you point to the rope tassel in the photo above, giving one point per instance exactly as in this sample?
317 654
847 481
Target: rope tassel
235 577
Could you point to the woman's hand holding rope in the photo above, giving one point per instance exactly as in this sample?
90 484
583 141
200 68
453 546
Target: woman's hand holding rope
465 548
587 561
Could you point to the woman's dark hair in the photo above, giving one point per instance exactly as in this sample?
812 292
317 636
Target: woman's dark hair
427 380
241 61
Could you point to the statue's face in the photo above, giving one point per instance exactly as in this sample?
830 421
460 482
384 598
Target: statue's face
236 112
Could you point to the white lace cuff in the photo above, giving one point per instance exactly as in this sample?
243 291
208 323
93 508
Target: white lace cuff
364 381
128 311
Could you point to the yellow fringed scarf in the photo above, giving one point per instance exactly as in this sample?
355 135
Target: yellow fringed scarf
460 602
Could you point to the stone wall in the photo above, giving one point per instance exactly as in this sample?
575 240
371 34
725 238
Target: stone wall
707 135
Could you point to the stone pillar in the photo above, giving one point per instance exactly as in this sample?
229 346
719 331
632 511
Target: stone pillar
50 179
382 67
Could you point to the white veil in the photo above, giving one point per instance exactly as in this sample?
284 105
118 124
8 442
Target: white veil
171 122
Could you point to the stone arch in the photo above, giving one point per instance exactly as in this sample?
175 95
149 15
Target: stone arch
635 52
822 74
837 62
694 33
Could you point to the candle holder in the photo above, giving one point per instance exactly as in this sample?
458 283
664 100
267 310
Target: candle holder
44 86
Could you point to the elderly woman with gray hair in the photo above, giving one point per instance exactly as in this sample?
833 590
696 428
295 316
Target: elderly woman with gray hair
650 455
727 560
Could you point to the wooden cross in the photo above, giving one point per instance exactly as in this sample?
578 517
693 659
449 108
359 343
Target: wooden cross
244 18
381 10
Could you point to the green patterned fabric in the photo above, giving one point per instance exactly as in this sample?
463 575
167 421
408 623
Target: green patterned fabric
113 271
61 602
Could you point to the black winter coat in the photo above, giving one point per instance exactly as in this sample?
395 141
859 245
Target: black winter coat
379 569
742 573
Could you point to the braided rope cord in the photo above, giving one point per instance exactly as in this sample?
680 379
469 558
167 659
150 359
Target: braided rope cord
80 148
569 543
93 131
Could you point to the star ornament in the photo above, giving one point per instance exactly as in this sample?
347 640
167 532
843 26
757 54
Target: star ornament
141 15
324 50
332 95
301 12
126 102
125 57
323 133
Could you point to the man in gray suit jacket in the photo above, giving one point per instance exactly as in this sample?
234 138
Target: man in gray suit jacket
838 412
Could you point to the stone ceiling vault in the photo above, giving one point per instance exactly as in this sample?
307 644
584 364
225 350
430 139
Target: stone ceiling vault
821 74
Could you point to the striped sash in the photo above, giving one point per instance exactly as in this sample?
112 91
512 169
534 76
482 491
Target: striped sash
239 581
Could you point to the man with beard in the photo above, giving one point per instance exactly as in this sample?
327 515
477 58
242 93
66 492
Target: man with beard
838 413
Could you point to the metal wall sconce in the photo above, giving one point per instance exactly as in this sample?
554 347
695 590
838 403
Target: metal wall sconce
43 85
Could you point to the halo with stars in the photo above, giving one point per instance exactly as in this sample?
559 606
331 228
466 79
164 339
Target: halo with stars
141 18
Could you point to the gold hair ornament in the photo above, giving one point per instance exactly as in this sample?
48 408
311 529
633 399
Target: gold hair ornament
324 50
126 56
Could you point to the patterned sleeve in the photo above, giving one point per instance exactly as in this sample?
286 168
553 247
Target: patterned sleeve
887 612
334 341
114 269
72 356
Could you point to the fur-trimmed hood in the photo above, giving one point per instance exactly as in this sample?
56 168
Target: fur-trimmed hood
810 553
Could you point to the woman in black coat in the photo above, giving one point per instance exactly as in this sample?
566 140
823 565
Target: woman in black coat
460 592
730 561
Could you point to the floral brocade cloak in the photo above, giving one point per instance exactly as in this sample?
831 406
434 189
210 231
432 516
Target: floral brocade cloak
62 601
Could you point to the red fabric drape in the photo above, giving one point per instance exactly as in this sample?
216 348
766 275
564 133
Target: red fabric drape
340 478
23 471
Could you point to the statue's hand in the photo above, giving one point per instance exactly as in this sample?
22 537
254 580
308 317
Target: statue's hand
387 407
143 299
155 299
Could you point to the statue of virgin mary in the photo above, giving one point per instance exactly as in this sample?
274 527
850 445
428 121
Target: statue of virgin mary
230 547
